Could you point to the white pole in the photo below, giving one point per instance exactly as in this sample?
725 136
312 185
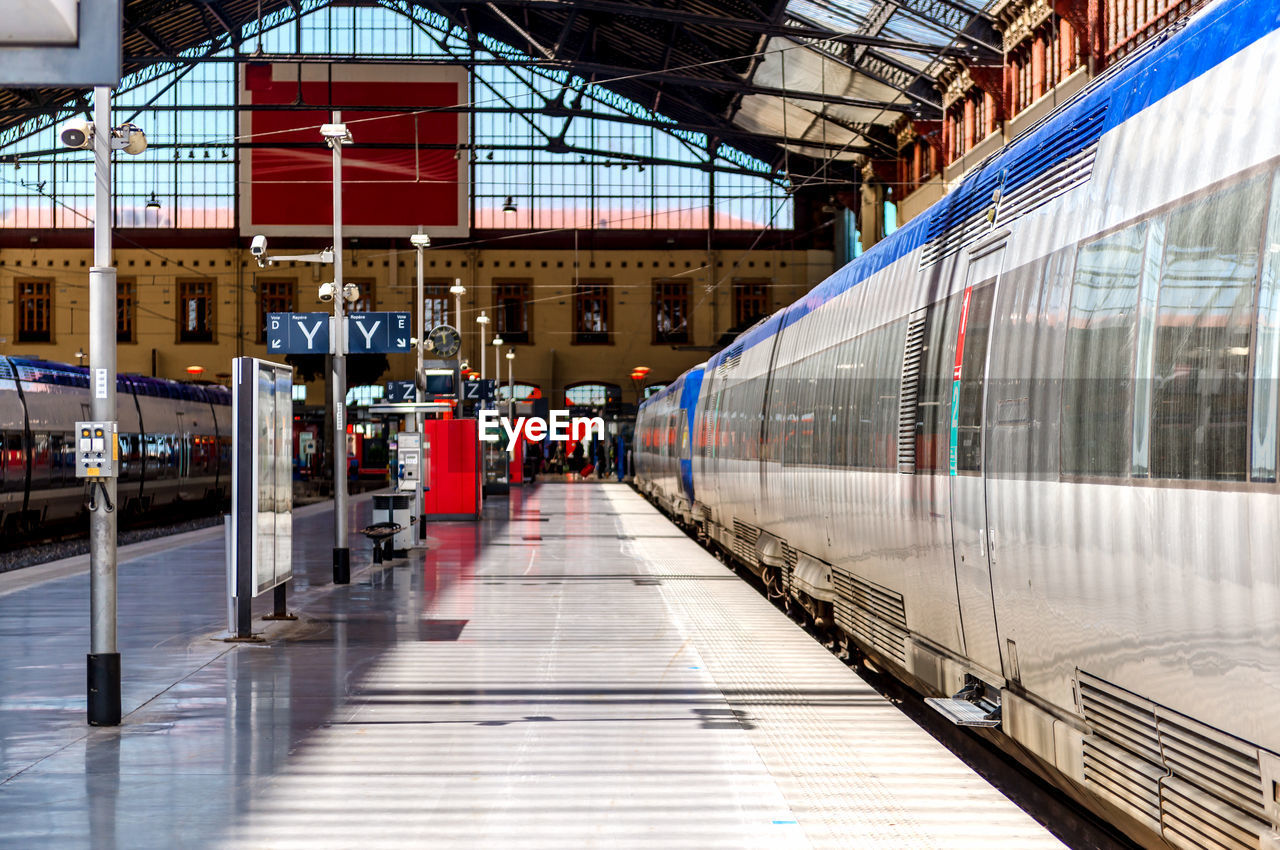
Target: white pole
419 506
341 553
104 659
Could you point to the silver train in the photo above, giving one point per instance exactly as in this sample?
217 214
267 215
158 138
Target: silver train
1023 453
175 443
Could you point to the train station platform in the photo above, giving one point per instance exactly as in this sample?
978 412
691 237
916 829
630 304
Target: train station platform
572 671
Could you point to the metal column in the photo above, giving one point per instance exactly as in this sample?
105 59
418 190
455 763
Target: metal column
104 659
341 554
419 504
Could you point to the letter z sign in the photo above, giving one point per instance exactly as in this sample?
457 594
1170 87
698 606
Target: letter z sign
373 333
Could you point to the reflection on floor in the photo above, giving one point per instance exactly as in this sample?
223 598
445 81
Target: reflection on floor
569 672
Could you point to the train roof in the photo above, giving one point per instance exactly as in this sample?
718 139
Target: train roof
674 386
35 370
1164 64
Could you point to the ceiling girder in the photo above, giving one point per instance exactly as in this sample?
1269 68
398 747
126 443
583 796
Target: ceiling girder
739 86
693 19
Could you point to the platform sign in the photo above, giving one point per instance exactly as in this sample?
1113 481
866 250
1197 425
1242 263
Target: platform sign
261 480
402 391
379 333
477 390
73 43
298 333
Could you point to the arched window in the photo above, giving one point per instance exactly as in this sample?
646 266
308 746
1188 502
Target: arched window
366 395
592 394
523 392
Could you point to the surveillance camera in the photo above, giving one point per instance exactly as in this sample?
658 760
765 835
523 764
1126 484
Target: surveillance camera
259 246
129 138
77 133
326 292
351 292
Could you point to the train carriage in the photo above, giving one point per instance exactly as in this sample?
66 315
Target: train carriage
1023 452
175 442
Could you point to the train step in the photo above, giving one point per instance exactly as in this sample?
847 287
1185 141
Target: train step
967 708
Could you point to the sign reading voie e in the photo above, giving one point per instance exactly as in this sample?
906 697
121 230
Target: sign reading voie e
373 333
298 333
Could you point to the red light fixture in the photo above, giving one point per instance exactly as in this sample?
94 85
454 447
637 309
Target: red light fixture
195 371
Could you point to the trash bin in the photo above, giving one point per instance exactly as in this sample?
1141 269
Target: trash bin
397 508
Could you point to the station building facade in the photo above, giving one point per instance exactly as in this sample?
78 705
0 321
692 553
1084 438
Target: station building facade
1051 50
581 318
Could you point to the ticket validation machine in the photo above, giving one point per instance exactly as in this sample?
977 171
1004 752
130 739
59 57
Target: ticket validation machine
411 458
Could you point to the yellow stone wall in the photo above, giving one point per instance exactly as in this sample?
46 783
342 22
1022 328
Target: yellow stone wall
551 359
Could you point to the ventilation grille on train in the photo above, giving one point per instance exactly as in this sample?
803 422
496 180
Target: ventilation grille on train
908 401
731 360
744 542
873 615
1198 786
1058 180
1061 161
790 556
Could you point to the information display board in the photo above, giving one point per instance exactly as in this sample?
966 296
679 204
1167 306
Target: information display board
262 476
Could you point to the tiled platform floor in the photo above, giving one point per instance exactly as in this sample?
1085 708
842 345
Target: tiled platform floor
570 672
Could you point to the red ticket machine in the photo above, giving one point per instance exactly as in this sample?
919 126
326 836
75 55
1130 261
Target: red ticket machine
454 473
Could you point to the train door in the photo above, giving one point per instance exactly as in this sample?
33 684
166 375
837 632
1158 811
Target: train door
184 456
968 482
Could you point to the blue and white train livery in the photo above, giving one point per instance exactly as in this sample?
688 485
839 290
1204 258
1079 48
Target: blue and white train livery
1024 451
662 454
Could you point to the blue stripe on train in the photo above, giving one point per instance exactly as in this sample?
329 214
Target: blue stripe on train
1207 40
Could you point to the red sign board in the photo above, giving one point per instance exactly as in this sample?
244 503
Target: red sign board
399 171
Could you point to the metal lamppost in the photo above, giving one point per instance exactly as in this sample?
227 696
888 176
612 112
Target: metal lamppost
497 364
511 383
458 290
336 135
483 321
420 241
103 660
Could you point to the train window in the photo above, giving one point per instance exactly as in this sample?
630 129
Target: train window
1200 397
1025 373
1267 351
933 400
968 415
1100 338
40 461
857 369
1148 307
15 462
887 343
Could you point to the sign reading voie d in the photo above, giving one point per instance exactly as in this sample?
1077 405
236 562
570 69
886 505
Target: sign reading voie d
371 333
298 333
402 391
